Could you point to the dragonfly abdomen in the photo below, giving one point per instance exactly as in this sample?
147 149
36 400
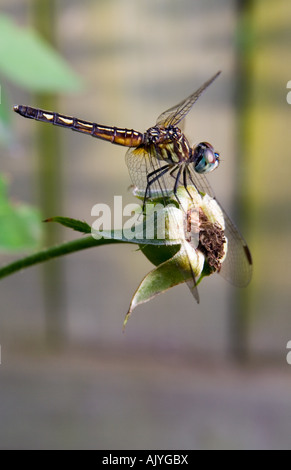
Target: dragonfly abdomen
115 135
119 136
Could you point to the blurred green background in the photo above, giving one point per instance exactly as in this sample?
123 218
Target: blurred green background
182 376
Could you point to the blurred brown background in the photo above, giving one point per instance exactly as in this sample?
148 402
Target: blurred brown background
182 376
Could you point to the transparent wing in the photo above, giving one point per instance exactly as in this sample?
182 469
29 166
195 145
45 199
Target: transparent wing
237 267
141 162
174 115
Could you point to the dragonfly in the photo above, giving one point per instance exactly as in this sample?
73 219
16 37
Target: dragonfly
161 160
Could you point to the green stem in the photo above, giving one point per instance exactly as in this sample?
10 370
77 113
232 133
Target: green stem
54 252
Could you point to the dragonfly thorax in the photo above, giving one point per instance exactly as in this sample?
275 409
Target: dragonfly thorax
169 144
158 135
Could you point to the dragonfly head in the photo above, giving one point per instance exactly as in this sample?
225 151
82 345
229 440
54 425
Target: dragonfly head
204 157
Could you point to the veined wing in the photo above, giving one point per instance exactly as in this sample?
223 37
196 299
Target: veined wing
141 162
174 115
237 267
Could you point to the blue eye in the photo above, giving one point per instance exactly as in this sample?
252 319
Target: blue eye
204 158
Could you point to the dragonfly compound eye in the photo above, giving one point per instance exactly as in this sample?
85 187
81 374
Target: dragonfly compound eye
204 158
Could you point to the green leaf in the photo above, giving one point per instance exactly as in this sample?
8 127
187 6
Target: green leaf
29 61
161 250
75 224
20 227
159 254
161 279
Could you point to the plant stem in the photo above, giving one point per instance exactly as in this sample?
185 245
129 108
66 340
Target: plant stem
54 252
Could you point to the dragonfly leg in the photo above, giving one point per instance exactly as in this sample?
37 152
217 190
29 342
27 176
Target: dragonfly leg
156 174
191 179
177 177
185 174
